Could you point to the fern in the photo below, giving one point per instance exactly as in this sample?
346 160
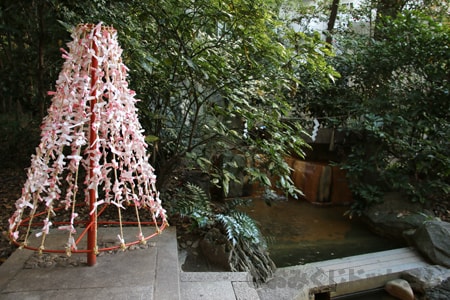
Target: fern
239 225
232 228
248 251
198 196
194 203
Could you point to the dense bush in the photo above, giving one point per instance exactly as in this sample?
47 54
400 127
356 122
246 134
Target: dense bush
200 68
393 97
207 73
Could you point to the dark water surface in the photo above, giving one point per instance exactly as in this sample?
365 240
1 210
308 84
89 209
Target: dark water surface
299 232
368 295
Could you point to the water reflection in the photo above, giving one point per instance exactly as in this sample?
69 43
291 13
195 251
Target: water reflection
299 232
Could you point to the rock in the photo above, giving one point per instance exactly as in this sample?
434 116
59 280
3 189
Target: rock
214 248
399 288
195 244
441 292
424 278
270 196
391 218
432 239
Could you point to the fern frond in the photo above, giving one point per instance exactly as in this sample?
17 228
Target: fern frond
249 228
193 202
231 227
198 196
239 225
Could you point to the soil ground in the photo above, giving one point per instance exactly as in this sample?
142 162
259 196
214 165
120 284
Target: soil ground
11 182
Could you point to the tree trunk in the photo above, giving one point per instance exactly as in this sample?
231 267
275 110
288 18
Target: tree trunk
332 21
41 54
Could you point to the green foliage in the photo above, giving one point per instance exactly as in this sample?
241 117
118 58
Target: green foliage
239 225
248 246
393 98
201 68
30 39
192 202
29 50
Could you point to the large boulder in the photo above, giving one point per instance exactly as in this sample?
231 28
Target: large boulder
422 279
394 215
432 240
441 292
215 248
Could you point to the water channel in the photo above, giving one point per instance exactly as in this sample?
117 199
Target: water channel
299 232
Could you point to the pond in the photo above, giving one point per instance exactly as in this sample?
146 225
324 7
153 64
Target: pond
299 232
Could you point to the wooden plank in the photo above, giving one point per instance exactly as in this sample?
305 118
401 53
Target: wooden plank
366 256
360 282
340 190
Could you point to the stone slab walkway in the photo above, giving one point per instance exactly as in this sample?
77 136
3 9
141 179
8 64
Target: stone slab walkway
150 273
154 273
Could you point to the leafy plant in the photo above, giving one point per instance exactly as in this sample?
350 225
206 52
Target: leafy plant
204 68
395 108
248 246
195 204
201 69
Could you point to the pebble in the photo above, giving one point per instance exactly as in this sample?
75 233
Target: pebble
45 264
195 244
400 289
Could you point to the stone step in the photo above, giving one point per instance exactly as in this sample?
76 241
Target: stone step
217 286
167 280
150 273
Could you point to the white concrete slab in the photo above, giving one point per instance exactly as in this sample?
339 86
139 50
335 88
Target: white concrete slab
211 290
369 271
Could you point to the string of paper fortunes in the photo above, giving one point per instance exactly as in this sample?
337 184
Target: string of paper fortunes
91 130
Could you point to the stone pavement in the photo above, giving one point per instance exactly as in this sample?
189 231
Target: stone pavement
154 273
150 273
